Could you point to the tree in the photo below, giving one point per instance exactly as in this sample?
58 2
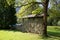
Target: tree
31 6
54 12
7 13
45 6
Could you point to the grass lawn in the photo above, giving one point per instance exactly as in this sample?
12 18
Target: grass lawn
53 32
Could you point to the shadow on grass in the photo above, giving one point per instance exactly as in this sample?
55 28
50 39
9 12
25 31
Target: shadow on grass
10 30
55 34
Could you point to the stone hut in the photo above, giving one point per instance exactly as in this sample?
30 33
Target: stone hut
32 23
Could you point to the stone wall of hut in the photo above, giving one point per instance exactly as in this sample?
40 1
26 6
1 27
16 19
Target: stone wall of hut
32 25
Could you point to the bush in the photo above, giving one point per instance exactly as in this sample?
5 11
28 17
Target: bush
58 23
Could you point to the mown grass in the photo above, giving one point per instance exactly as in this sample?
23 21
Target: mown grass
53 32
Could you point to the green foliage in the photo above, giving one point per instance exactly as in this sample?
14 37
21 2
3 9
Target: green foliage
10 2
58 23
37 11
22 2
29 9
54 12
7 14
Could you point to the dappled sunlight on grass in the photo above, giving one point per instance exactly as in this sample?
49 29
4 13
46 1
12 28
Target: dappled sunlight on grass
11 35
53 32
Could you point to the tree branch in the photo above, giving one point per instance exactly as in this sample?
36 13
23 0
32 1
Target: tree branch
30 3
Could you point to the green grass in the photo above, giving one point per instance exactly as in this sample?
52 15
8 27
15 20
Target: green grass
53 32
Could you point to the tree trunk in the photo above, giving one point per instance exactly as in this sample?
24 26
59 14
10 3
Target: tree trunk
44 29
